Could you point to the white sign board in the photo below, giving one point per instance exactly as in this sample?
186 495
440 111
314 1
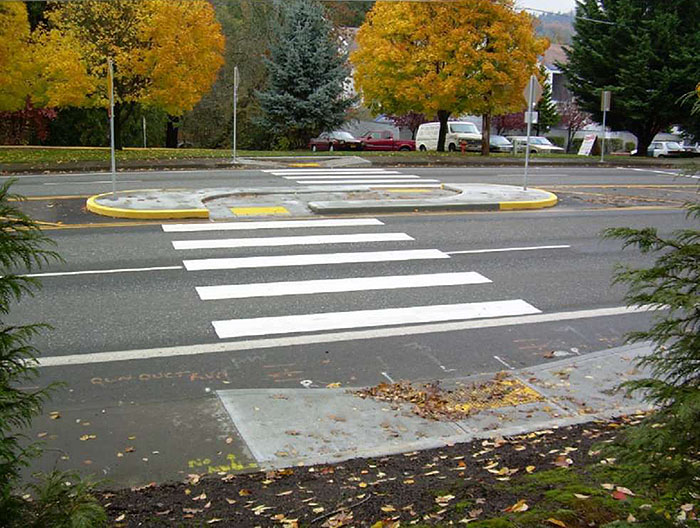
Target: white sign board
531 117
587 145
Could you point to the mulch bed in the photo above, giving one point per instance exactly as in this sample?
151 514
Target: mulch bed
433 487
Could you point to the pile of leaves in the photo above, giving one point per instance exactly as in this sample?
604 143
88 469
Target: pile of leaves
558 477
433 402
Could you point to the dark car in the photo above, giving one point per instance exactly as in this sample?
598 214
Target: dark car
499 144
338 140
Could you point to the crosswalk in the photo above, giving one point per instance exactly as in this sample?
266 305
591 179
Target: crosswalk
377 178
301 254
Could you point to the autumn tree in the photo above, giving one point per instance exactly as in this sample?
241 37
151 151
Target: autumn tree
307 70
573 119
645 52
166 54
15 56
468 56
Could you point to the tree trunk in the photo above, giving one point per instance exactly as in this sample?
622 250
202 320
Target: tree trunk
644 139
485 134
443 115
171 131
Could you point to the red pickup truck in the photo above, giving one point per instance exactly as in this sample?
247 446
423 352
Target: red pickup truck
384 140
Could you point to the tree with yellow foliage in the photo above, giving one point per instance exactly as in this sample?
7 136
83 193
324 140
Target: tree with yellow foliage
467 56
15 56
166 53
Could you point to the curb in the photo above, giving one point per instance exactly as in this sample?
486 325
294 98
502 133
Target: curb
143 214
550 201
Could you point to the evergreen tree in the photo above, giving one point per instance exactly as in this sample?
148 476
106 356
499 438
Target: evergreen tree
646 52
665 447
306 75
547 110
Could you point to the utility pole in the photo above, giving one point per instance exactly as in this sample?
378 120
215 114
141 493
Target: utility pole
143 119
532 94
235 109
110 88
605 107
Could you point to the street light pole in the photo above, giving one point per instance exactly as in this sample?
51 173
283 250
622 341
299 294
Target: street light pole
110 88
235 109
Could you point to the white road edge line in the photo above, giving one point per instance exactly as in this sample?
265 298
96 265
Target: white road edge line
100 272
499 250
237 346
361 182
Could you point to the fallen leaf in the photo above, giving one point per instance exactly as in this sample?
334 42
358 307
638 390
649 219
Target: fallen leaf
631 518
244 492
282 494
581 496
556 522
519 506
475 513
192 479
129 450
530 469
388 508
200 497
563 461
626 491
120 518
608 486
231 501
229 440
54 415
214 520
334 385
618 495
192 511
86 437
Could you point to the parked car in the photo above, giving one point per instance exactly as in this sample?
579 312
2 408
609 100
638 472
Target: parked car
384 140
690 151
499 144
338 140
538 145
457 131
665 149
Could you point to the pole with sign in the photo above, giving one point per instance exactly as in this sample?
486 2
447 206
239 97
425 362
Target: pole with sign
143 118
532 94
110 89
235 104
605 108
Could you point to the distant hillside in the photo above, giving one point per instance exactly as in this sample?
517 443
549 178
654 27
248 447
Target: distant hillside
558 28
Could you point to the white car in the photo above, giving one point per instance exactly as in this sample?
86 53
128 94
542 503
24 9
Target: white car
538 145
665 149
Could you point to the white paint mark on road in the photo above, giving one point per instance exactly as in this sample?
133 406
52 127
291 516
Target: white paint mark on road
332 176
365 182
693 176
290 241
336 337
503 362
503 250
316 322
101 272
391 282
91 182
291 172
313 259
273 224
391 380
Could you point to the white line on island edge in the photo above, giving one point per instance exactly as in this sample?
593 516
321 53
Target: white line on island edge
100 272
215 348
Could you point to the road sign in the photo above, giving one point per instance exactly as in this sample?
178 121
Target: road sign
531 117
534 85
605 98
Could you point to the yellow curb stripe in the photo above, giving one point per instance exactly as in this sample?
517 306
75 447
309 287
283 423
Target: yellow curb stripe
142 214
253 211
550 201
304 165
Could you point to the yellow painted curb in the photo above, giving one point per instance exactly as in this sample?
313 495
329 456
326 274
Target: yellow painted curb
550 201
259 211
143 214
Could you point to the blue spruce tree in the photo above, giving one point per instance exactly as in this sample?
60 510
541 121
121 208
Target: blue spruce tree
306 74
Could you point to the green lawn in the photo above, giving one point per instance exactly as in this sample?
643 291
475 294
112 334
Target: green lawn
57 155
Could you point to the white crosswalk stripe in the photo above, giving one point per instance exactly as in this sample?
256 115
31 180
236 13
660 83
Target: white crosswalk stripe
289 324
327 321
276 261
279 289
353 176
290 241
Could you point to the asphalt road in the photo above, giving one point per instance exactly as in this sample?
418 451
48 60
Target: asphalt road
142 358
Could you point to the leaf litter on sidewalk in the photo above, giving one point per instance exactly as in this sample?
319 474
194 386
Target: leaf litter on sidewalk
516 480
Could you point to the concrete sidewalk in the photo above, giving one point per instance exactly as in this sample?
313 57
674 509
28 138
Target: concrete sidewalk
289 427
230 203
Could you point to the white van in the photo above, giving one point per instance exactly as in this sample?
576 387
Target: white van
427 136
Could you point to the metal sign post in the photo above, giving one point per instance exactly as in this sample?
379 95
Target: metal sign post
532 94
235 104
110 89
605 107
143 118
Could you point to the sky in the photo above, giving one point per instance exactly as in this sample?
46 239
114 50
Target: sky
549 5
